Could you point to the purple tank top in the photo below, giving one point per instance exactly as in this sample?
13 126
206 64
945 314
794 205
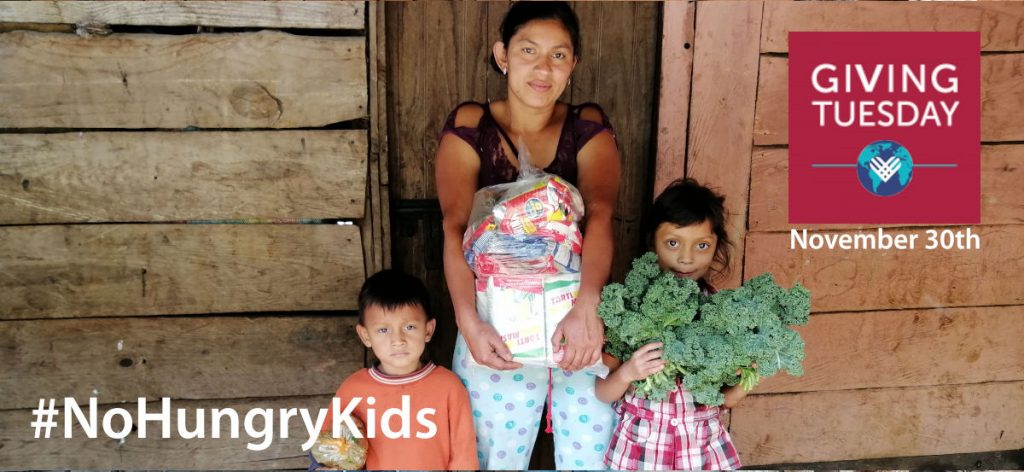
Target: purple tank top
495 167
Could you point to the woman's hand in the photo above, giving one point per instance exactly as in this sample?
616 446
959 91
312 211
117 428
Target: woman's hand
644 363
487 348
578 337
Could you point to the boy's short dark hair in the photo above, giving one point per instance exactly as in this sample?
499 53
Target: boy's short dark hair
391 289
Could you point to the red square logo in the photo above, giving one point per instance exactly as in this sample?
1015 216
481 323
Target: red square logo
884 127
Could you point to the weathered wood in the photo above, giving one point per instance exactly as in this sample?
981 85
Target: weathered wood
1002 98
674 97
496 84
380 52
40 27
121 359
164 81
988 460
438 57
311 14
907 348
1002 201
886 279
370 228
171 176
21 450
118 270
725 69
998 22
617 70
863 424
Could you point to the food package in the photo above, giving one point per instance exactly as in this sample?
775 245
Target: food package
525 311
344 452
526 227
524 245
514 306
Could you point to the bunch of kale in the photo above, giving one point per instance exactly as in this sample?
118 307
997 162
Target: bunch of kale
707 338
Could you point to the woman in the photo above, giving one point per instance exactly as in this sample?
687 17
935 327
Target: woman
538 51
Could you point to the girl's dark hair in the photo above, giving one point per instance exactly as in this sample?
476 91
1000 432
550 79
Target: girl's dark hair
686 202
523 12
391 289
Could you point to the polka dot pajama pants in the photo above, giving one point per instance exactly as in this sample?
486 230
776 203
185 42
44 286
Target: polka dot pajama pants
508 408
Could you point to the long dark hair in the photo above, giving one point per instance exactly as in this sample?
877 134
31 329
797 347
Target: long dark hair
523 12
686 202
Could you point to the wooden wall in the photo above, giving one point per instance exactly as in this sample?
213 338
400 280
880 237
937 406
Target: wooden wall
908 354
253 117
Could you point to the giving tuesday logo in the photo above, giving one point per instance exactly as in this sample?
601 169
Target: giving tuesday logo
885 168
884 128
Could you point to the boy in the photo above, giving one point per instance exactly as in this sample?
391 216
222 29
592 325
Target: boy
395 324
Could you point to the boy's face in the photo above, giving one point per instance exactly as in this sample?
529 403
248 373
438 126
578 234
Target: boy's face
686 251
397 337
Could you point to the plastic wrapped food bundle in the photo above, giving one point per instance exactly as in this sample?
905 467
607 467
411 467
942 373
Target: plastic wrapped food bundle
527 223
524 245
344 452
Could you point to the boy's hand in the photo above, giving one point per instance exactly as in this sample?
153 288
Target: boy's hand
487 348
644 363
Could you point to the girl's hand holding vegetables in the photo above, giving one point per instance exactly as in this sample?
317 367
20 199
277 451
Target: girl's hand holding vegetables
738 392
644 363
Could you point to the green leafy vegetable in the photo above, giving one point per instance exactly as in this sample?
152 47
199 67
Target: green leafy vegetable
707 338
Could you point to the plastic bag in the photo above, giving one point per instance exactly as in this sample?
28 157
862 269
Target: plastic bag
524 245
345 452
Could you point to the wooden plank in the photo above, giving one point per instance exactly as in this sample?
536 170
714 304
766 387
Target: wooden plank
428 78
21 450
383 150
311 14
54 271
121 359
371 225
164 81
868 279
171 176
1002 201
674 97
41 27
864 424
725 68
1002 98
771 122
496 83
998 22
907 348
617 70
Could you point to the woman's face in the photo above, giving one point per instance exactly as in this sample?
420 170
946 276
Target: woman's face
539 60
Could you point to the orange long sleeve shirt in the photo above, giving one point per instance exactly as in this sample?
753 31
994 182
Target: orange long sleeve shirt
453 447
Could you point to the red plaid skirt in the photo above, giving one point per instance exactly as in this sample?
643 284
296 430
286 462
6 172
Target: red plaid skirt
672 434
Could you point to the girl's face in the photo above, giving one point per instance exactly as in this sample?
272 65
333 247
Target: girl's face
539 59
686 251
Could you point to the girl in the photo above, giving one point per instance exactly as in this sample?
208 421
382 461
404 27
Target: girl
537 53
687 231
